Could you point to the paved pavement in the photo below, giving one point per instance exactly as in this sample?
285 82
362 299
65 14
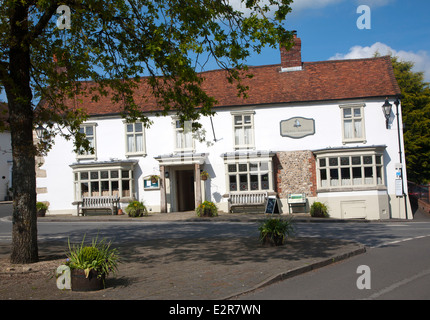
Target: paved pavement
178 269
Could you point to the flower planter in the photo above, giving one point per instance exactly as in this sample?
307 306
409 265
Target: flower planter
207 213
81 283
272 241
41 213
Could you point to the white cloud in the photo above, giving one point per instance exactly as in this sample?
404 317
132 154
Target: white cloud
421 59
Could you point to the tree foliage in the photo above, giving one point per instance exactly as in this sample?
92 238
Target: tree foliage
416 119
111 44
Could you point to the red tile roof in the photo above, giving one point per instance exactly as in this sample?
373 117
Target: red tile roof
318 81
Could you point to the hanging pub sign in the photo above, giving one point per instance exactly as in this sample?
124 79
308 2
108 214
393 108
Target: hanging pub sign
297 127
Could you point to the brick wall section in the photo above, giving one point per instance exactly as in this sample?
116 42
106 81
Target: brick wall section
295 173
293 57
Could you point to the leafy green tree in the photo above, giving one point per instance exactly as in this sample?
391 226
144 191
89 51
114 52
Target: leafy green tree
114 43
416 119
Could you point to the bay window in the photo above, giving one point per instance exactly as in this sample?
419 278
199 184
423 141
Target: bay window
350 169
253 173
104 179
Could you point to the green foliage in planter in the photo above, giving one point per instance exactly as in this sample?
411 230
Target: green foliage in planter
41 206
274 229
319 210
98 257
207 208
136 209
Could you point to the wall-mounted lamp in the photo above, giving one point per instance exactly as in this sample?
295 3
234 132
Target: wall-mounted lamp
166 174
40 131
386 108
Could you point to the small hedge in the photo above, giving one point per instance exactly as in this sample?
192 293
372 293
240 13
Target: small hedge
319 210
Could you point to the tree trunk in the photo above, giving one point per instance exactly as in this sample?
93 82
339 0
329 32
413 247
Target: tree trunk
19 95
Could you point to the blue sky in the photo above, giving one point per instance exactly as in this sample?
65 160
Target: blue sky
328 29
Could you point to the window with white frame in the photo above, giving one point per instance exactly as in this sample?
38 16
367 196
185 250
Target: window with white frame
346 170
103 181
353 123
135 139
243 128
89 130
252 175
183 136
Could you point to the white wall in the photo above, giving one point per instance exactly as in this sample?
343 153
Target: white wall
5 164
160 141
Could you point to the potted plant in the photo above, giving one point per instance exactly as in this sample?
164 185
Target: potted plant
319 210
274 231
90 265
154 178
41 208
204 175
136 209
207 209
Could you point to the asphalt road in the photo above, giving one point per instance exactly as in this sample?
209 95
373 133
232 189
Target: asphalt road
400 271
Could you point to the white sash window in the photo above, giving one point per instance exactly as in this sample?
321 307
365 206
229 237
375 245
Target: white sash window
353 123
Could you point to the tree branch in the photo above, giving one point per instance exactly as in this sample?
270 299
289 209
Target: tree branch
43 21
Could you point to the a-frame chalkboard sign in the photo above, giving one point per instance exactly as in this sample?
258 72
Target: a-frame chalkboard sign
271 205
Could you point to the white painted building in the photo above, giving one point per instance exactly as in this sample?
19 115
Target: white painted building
5 157
316 128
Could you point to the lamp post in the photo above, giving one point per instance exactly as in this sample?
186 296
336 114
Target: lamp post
386 108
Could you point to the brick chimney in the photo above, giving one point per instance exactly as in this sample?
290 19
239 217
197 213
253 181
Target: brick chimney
291 60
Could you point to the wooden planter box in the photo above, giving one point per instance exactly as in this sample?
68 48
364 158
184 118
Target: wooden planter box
81 283
272 241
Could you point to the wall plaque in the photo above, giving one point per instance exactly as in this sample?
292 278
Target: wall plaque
297 127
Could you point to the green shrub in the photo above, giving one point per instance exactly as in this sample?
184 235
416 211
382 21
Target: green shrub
319 210
136 209
274 231
41 206
89 254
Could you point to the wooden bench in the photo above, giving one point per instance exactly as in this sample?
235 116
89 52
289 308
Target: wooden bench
98 203
296 199
246 200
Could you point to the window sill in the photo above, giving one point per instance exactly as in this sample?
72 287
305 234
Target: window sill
137 154
244 147
353 188
364 141
92 157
